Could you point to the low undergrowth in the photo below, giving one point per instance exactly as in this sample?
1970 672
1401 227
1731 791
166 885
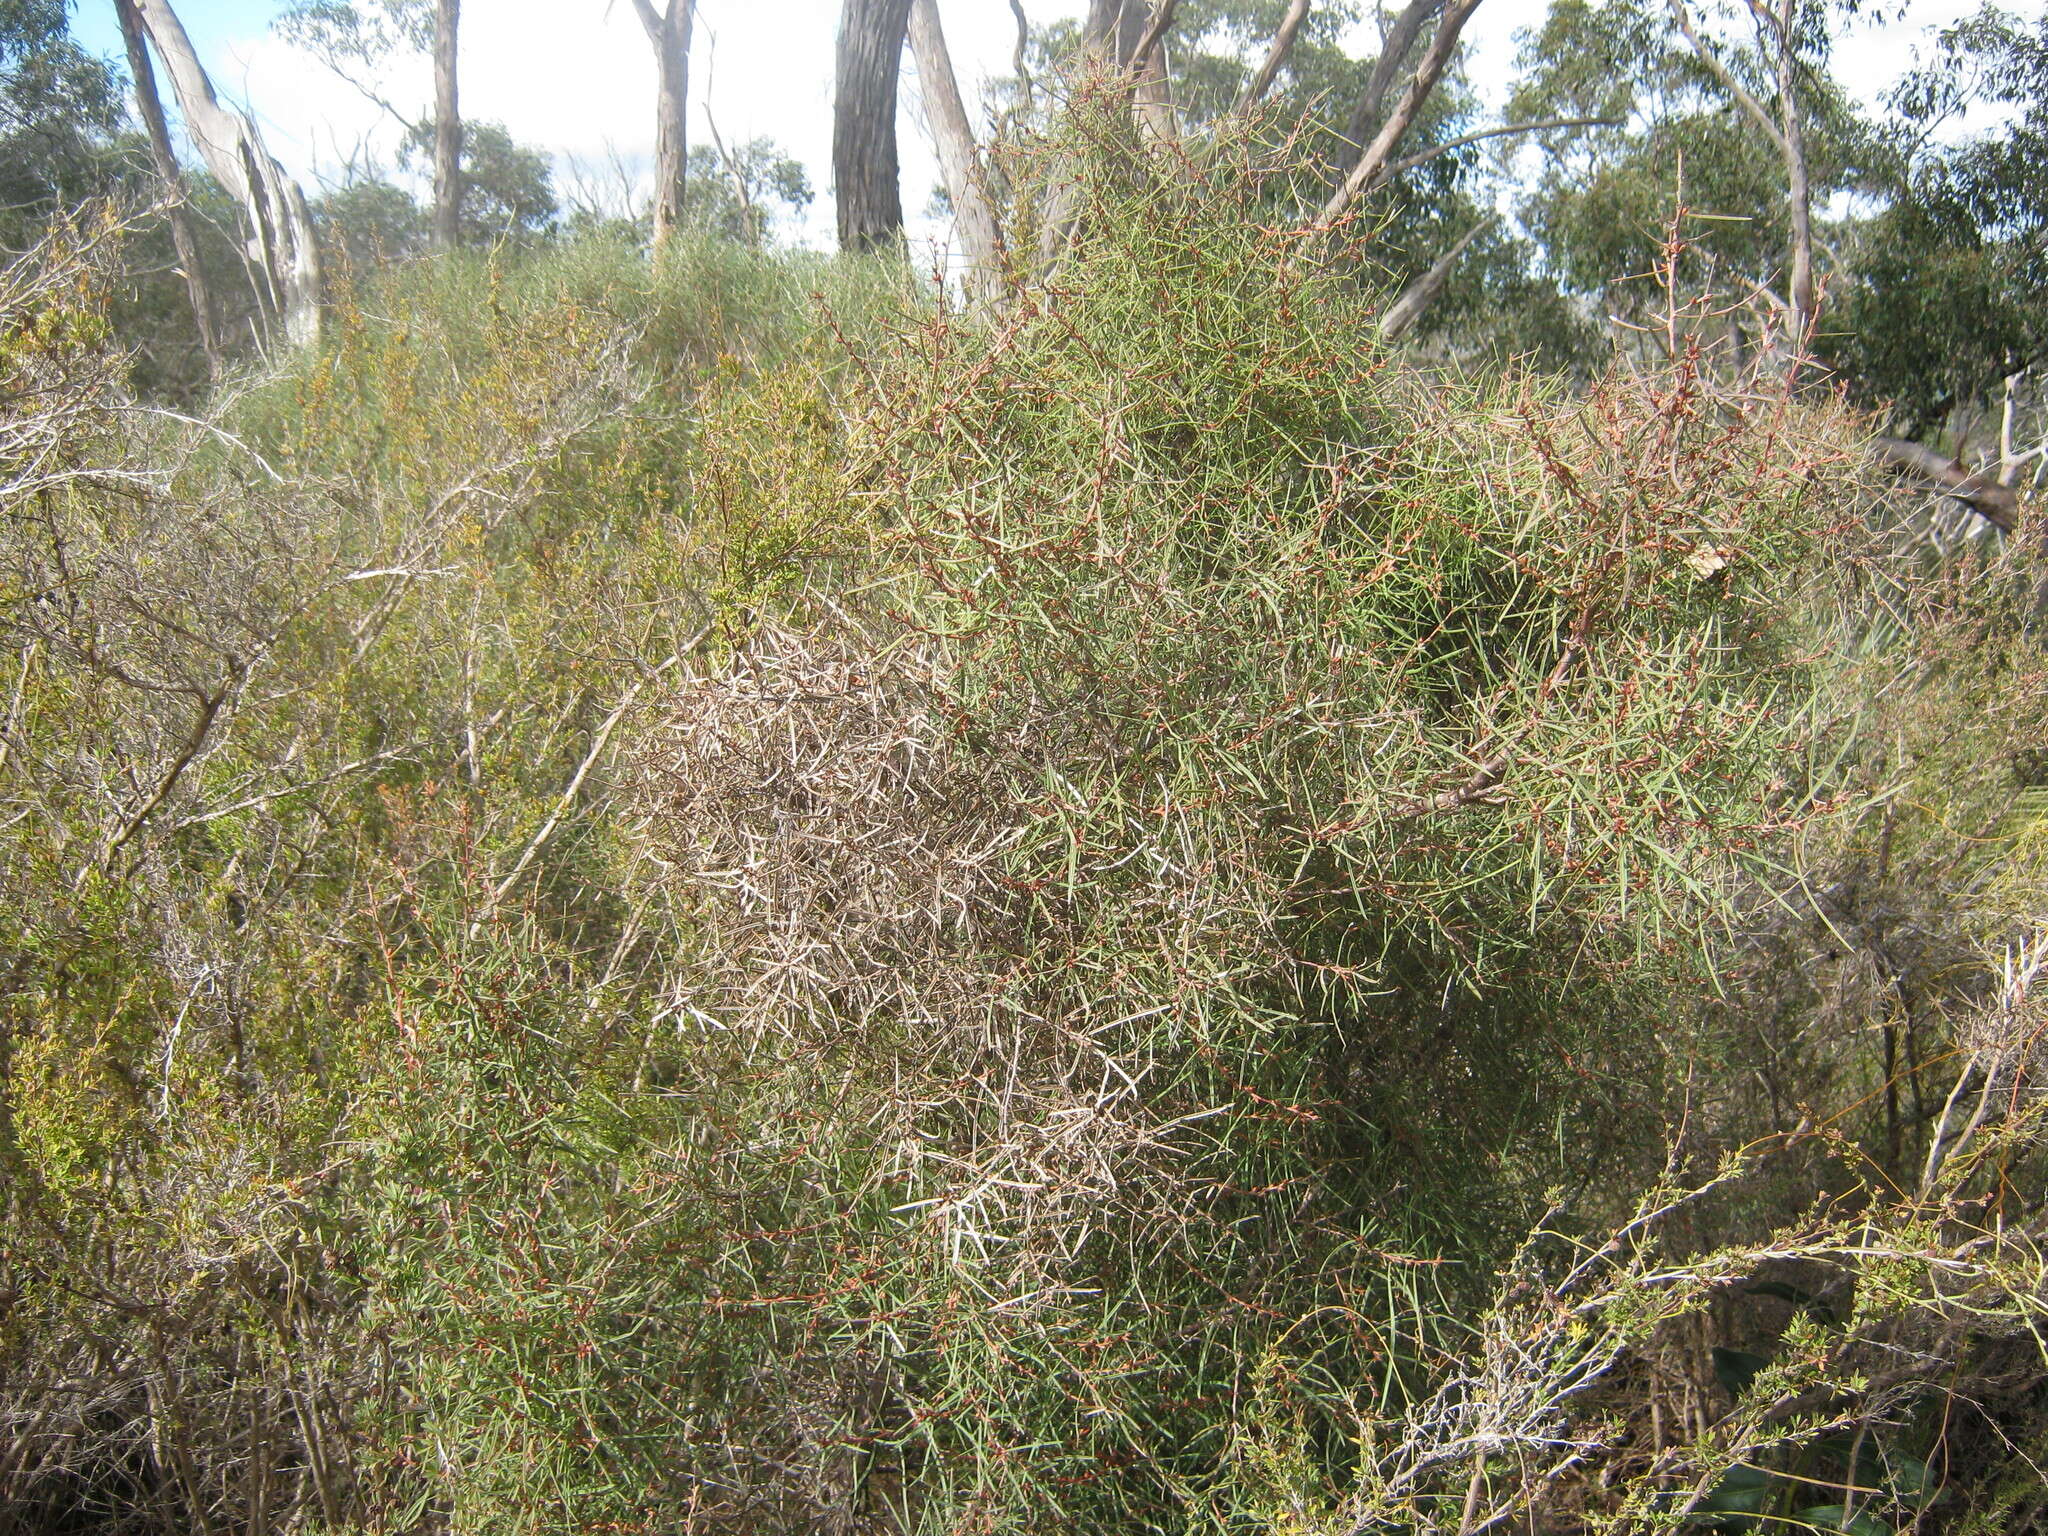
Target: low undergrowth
643 903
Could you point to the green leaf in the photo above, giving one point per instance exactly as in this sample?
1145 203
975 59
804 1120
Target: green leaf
1737 1499
1905 1478
1908 1474
1738 1482
1735 1369
1913 1480
1836 1517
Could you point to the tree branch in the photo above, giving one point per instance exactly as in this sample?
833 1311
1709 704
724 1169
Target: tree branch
1155 29
281 247
1371 167
1395 47
1020 60
1283 44
1427 155
1997 504
1475 790
1420 294
1798 185
599 739
202 727
152 109
1725 75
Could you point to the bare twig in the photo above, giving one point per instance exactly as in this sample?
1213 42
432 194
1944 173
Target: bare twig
598 743
1423 157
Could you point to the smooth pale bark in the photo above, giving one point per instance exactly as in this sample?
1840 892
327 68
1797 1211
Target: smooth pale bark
1154 95
283 255
2009 456
1370 108
166 162
981 242
1798 186
1261 82
1998 505
1101 23
1130 26
1402 314
1153 34
1735 88
865 176
1789 137
447 128
1372 164
669 32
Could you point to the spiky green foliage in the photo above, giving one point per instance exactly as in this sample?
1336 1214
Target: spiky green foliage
641 902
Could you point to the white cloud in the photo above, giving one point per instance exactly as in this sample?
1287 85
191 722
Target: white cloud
312 120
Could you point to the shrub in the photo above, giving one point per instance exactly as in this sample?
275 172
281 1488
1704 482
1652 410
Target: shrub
630 911
1242 808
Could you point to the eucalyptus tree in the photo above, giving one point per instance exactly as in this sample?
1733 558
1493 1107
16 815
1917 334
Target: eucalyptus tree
183 301
447 127
1393 147
960 159
358 39
165 161
283 254
1943 309
1881 238
1729 114
1193 71
744 192
668 30
865 175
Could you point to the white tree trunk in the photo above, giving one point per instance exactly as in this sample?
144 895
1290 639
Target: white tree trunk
136 39
1155 95
981 240
447 128
1372 164
283 254
669 32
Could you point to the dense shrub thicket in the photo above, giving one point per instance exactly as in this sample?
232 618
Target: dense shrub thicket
719 899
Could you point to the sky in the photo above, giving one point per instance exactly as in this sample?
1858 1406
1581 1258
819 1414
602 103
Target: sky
576 77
